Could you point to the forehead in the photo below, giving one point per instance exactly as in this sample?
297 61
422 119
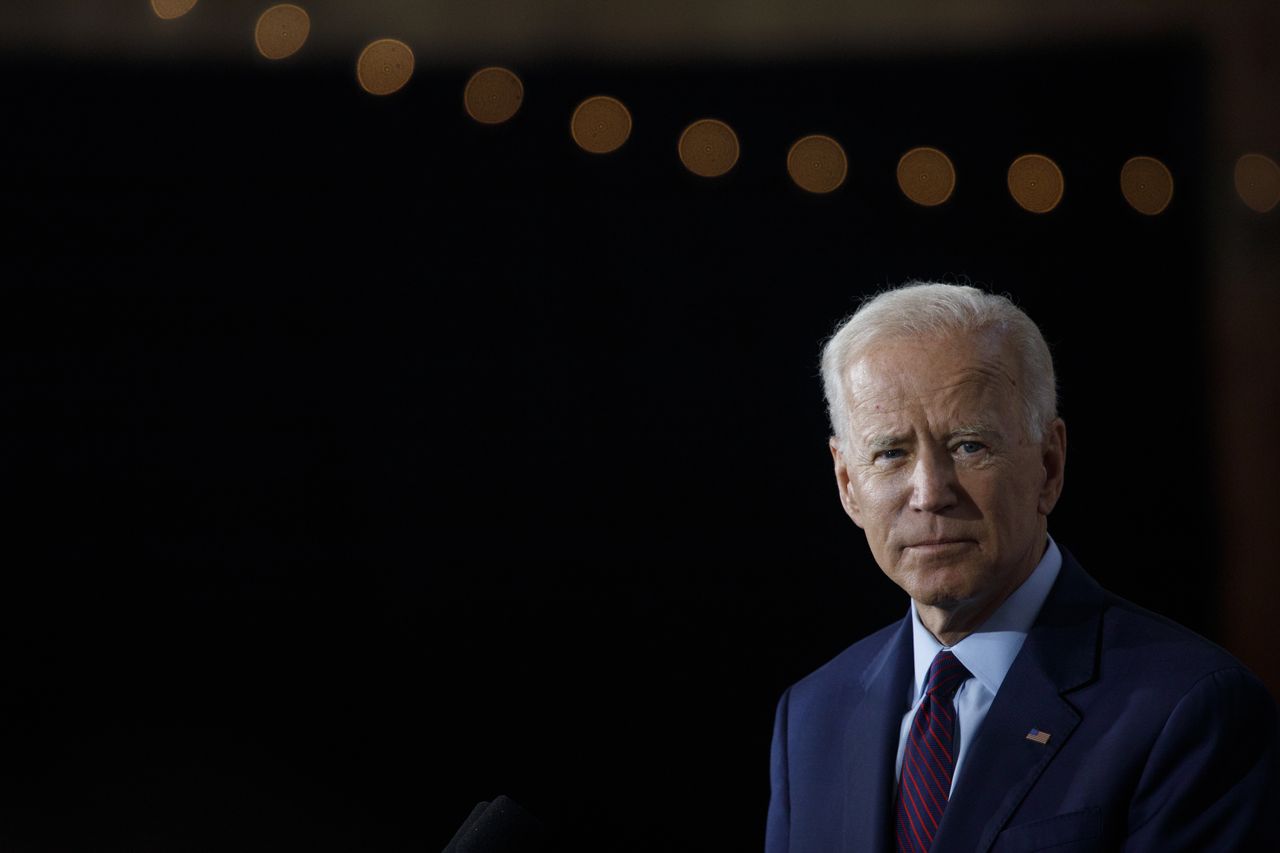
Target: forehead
956 377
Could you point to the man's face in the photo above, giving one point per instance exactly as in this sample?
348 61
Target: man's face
939 472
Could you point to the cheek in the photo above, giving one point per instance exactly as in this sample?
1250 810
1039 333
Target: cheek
877 503
884 489
1005 501
880 514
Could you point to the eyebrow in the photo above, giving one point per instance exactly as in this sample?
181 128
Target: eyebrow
884 442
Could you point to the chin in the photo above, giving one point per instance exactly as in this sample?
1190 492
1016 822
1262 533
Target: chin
938 587
943 599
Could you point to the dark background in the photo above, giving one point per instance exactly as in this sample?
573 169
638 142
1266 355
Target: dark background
365 462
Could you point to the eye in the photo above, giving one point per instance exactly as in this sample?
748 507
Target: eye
969 448
893 453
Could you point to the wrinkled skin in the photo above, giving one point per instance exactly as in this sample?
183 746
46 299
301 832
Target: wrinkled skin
940 474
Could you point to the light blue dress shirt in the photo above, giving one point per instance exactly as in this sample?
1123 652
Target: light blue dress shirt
987 653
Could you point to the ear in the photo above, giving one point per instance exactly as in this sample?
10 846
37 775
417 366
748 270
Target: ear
1053 455
848 497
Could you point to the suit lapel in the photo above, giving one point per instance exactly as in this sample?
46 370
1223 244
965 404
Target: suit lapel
1002 765
870 746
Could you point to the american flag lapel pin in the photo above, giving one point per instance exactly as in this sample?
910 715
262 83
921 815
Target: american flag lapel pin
1038 736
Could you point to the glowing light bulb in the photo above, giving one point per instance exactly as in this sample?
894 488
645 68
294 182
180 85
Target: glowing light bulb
926 176
708 147
281 31
384 66
1035 182
600 124
817 164
493 95
170 9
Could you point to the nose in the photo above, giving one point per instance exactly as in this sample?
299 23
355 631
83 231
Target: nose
933 483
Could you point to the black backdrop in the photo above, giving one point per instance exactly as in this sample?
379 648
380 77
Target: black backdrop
364 462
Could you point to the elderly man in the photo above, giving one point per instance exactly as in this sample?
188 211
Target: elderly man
1018 705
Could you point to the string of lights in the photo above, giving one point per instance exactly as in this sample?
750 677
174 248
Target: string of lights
710 148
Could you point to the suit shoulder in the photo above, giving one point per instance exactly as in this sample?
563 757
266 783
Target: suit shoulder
1147 646
848 665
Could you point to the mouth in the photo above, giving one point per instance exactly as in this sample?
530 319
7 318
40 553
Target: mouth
940 544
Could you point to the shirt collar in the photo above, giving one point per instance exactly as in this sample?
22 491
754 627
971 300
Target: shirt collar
989 651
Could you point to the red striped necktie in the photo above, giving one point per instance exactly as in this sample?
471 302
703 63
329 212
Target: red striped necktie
929 759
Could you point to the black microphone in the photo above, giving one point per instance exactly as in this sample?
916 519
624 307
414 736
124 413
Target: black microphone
501 826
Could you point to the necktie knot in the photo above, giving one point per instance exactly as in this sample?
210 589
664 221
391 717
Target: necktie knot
946 674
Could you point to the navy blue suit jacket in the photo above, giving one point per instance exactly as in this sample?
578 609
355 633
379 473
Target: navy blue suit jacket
1159 740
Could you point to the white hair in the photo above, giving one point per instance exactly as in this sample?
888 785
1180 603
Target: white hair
931 309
